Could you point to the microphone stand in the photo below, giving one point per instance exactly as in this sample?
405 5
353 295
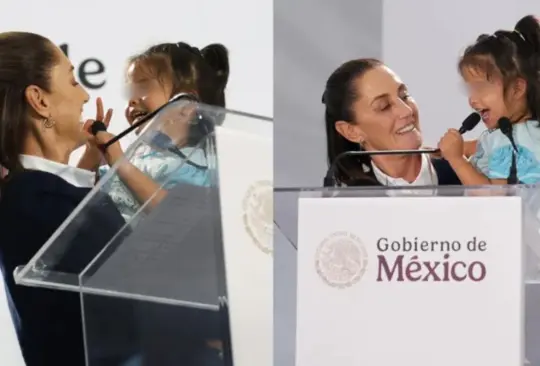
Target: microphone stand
512 177
505 125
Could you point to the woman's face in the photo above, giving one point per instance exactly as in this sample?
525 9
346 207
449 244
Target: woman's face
66 100
386 116
146 93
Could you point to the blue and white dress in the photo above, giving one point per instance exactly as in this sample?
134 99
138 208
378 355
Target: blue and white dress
160 160
494 152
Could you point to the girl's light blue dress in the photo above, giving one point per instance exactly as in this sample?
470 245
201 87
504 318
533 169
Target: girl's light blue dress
493 156
159 159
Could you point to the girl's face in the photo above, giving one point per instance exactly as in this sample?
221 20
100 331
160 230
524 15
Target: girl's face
146 93
487 96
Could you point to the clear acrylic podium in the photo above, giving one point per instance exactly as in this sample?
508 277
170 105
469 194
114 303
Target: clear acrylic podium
158 286
286 231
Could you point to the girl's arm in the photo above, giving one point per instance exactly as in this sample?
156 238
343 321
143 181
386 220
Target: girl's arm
469 176
469 172
469 148
90 160
142 186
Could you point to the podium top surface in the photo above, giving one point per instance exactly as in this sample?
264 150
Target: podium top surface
288 203
164 245
375 190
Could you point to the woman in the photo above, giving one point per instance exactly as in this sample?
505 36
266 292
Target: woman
40 126
369 108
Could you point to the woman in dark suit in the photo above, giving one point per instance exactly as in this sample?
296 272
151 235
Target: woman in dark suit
40 125
368 107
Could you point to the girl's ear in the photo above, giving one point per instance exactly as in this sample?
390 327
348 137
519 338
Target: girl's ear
519 89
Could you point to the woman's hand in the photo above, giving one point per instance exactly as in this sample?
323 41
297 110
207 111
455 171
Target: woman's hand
452 145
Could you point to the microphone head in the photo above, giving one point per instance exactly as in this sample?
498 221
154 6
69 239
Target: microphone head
97 127
470 122
505 125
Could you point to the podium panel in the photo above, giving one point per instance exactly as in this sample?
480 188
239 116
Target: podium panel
425 276
157 289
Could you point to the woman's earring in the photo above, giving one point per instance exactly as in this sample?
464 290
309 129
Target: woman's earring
48 122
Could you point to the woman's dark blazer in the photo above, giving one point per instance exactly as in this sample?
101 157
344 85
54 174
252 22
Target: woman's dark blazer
33 204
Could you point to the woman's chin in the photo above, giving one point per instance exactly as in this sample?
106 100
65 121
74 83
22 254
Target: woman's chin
409 142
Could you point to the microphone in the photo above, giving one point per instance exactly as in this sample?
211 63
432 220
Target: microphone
148 117
97 126
329 180
469 123
505 125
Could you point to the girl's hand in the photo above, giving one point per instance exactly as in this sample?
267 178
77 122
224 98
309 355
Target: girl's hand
100 116
113 152
469 149
452 145
91 158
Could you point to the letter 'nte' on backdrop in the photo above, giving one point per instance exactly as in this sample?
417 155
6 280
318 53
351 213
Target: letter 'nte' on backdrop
410 280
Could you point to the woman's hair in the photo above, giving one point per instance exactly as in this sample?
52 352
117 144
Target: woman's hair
510 55
25 59
339 96
205 71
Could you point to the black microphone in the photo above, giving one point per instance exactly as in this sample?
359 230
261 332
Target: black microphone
97 126
469 123
505 125
329 180
143 120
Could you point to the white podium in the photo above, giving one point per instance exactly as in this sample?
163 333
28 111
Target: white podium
434 276
196 265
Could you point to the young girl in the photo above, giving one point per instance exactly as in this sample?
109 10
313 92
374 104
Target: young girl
165 160
501 73
154 76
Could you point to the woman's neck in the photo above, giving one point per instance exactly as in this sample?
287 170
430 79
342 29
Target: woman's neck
55 152
406 167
